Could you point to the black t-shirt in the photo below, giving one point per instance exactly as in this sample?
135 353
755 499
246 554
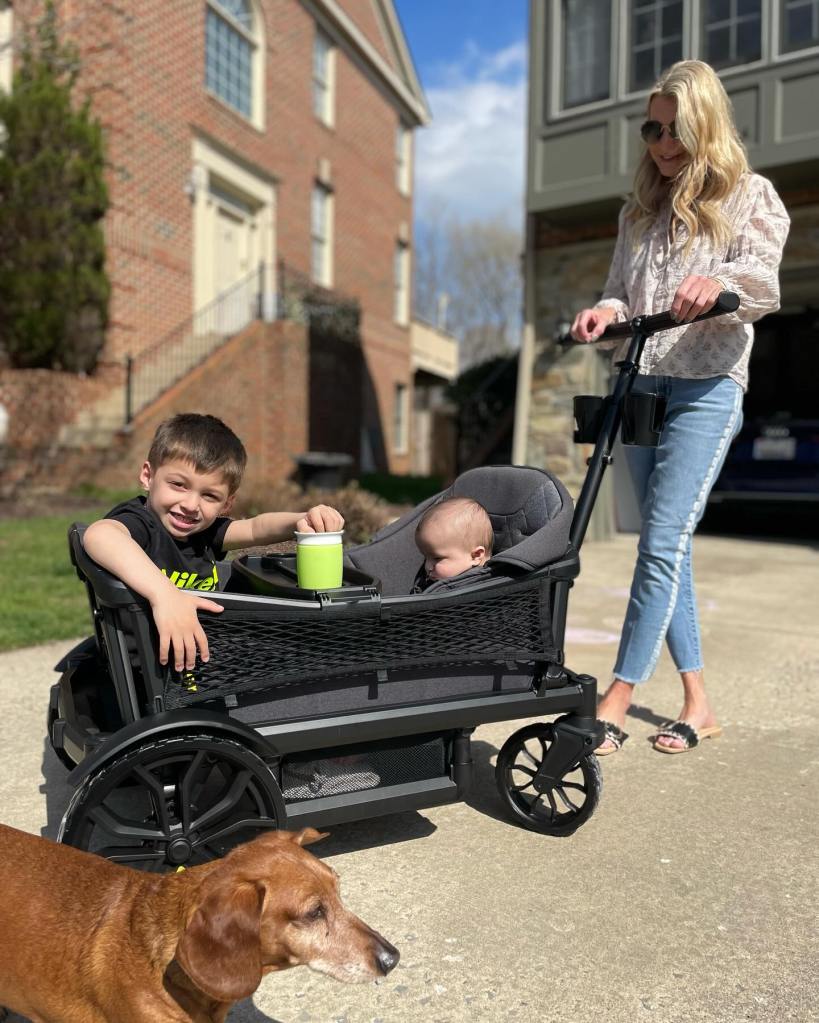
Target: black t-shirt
190 564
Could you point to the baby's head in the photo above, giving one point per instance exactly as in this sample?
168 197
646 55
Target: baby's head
192 472
454 536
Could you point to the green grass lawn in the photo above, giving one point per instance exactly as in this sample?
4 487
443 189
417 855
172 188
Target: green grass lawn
42 599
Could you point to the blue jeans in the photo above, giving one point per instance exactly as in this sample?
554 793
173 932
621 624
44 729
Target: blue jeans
672 483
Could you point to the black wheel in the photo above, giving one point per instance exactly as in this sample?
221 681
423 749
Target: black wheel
174 802
557 811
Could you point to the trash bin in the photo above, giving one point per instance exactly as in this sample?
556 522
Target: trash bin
326 469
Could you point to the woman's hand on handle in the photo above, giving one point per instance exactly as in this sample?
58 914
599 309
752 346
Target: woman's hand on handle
696 295
589 324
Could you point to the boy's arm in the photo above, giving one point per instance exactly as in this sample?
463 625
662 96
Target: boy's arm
110 544
274 527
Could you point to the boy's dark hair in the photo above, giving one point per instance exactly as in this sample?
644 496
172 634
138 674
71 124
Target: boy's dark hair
204 441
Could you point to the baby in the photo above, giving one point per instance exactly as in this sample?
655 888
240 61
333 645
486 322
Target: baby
455 536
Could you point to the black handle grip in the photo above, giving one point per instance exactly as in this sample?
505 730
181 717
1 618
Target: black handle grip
727 302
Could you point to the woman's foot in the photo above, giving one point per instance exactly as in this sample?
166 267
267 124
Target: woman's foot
696 710
612 708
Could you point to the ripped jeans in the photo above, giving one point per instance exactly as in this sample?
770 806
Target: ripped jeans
672 483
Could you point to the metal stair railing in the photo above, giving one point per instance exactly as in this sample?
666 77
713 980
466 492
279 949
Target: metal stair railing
151 372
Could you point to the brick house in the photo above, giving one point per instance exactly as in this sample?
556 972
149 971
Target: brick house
254 147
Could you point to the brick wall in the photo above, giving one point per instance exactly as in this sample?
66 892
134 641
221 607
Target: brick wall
257 383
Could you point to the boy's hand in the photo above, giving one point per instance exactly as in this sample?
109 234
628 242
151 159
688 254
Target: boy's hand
179 629
320 519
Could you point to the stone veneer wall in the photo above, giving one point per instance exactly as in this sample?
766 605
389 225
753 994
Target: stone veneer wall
567 278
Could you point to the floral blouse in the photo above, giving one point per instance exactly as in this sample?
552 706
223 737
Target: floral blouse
647 269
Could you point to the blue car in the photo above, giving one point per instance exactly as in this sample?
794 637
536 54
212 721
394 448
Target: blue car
774 458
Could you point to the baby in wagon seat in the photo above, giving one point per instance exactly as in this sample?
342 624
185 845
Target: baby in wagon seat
456 537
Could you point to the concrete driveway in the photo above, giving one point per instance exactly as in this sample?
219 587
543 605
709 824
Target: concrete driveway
691 895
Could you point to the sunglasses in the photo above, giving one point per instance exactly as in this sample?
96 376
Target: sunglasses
652 131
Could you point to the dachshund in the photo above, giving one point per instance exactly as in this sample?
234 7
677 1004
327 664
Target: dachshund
85 940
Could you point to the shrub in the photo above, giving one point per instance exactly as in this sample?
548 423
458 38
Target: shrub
53 287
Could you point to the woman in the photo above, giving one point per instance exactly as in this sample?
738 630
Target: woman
699 222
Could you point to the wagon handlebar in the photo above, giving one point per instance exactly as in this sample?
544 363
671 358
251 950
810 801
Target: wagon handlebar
727 302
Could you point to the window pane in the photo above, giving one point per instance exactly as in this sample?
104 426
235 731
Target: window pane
749 41
644 28
670 54
801 28
586 51
672 20
748 7
718 10
718 46
643 74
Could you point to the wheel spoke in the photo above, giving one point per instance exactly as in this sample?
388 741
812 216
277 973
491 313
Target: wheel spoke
226 803
257 823
156 791
550 796
114 824
524 770
525 752
565 799
124 854
186 783
573 785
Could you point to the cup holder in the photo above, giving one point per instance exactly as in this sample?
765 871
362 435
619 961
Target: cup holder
643 418
589 410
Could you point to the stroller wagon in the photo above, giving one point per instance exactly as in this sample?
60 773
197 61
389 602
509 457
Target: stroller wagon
325 707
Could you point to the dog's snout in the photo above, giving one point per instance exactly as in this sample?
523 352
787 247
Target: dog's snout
387 956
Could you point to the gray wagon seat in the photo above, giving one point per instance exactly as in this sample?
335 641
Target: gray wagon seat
531 514
411 649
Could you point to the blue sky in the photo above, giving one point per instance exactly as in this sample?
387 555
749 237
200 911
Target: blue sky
471 58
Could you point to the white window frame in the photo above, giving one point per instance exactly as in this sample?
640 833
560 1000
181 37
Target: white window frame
628 49
321 235
403 158
401 284
324 80
733 20
256 38
6 45
779 29
400 418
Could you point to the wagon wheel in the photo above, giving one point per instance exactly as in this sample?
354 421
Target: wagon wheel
174 802
559 810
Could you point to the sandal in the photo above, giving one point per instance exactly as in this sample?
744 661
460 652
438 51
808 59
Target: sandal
686 733
616 736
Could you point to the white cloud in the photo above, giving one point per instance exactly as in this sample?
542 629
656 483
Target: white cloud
470 160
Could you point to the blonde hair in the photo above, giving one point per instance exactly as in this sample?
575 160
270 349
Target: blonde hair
705 126
466 518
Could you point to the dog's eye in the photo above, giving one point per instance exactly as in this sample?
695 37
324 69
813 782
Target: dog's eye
316 913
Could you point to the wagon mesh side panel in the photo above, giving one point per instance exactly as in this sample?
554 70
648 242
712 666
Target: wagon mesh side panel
253 651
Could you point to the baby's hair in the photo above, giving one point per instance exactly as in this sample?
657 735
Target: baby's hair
204 441
466 516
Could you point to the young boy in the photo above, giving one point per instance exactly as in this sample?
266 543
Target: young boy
165 545
455 536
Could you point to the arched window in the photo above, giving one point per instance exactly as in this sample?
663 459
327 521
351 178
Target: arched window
233 55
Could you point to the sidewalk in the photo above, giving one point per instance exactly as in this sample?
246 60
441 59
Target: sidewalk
689 897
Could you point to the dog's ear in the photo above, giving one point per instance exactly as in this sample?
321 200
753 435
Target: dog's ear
220 949
308 835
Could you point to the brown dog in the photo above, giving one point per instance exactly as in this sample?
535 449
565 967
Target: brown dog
84 940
